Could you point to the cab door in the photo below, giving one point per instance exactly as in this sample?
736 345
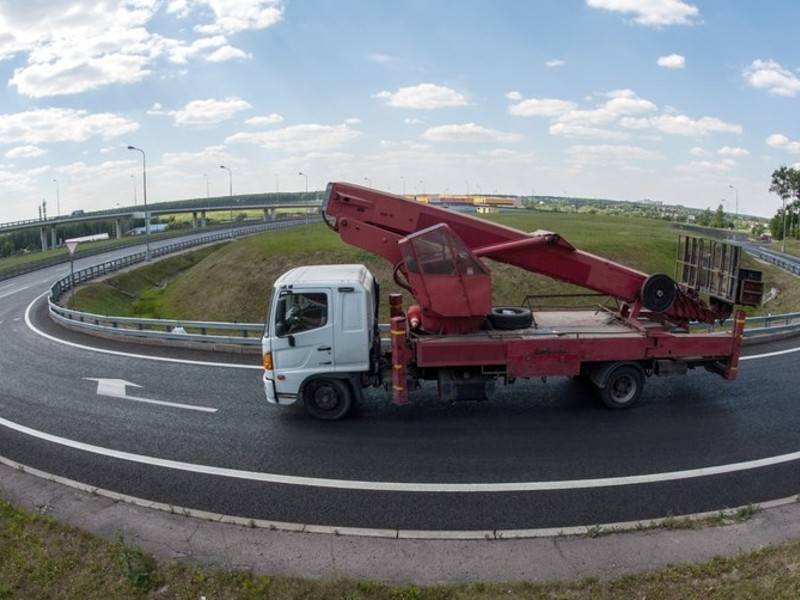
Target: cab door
303 343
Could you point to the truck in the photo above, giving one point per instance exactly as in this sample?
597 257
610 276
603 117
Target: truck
323 344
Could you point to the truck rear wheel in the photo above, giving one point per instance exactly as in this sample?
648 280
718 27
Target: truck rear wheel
327 399
623 387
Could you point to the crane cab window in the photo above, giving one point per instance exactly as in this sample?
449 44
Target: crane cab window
296 313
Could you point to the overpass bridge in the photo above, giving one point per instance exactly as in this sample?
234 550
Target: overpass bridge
198 207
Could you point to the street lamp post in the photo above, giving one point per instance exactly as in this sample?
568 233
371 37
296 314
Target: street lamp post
403 180
208 194
58 198
301 174
369 183
144 196
736 218
230 191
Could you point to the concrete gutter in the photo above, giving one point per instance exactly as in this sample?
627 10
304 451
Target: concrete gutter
213 541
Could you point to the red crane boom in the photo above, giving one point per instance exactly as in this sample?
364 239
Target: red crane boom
391 226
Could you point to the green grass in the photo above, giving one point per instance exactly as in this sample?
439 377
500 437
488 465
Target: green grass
234 283
41 558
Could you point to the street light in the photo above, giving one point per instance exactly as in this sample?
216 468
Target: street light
403 180
301 174
369 183
736 219
144 196
230 191
58 199
207 188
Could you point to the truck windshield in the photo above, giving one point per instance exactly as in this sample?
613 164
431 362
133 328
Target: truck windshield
296 313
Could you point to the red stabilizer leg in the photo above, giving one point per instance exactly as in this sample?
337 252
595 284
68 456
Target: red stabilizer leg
732 369
400 357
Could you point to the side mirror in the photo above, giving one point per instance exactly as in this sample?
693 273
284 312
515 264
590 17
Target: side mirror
280 329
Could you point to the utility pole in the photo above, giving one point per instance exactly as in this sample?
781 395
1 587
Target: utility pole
230 191
58 198
301 174
144 194
207 187
133 179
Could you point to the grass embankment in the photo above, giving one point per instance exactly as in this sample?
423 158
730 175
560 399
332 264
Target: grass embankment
234 283
41 558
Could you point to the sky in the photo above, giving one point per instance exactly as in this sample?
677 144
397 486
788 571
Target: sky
671 100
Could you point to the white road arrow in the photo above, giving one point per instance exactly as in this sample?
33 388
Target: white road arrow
117 388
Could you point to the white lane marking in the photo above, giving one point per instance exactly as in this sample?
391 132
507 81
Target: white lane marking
770 354
182 361
5 287
392 486
12 292
115 388
427 534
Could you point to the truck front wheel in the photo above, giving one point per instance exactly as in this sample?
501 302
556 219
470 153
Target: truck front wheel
623 387
328 399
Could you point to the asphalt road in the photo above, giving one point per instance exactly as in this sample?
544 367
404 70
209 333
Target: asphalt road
529 458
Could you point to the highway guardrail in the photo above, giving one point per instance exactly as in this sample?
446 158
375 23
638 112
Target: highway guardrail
219 335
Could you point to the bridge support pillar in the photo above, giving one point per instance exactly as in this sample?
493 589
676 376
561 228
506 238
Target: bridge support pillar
43 238
203 220
194 220
53 237
271 214
118 228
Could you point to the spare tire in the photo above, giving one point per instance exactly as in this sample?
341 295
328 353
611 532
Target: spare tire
510 317
658 292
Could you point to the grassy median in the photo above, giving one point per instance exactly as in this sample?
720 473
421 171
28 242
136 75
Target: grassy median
233 283
41 558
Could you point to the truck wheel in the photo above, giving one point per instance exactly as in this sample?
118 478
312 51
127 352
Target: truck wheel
510 317
328 399
623 387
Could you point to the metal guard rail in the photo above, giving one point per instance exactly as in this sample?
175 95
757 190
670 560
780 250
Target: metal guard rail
164 329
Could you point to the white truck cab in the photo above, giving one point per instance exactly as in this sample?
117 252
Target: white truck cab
321 337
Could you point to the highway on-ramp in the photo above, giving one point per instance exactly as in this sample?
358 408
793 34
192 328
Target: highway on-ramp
198 433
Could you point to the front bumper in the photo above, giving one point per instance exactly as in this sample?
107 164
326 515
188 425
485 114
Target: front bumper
272 396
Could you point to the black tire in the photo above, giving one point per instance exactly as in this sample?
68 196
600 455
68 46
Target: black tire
623 387
658 292
510 317
327 399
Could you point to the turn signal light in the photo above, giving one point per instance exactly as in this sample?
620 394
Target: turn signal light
267 361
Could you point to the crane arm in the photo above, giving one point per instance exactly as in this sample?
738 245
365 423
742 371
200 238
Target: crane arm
377 222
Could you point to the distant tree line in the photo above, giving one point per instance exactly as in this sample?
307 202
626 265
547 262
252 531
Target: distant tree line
718 218
786 184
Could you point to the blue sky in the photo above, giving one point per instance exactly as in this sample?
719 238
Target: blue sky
674 100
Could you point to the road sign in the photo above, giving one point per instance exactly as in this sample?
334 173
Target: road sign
72 245
117 388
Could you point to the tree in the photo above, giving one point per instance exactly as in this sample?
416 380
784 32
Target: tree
785 183
704 218
718 220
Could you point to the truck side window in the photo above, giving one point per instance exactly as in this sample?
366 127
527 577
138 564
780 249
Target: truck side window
296 313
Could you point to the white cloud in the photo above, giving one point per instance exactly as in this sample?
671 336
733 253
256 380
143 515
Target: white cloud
684 125
706 167
698 151
514 96
586 131
209 111
781 142
226 53
74 46
770 75
26 152
232 16
353 121
413 121
46 125
672 61
211 155
605 155
423 96
379 57
733 151
553 63
652 13
541 107
468 132
299 138
269 119
80 170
